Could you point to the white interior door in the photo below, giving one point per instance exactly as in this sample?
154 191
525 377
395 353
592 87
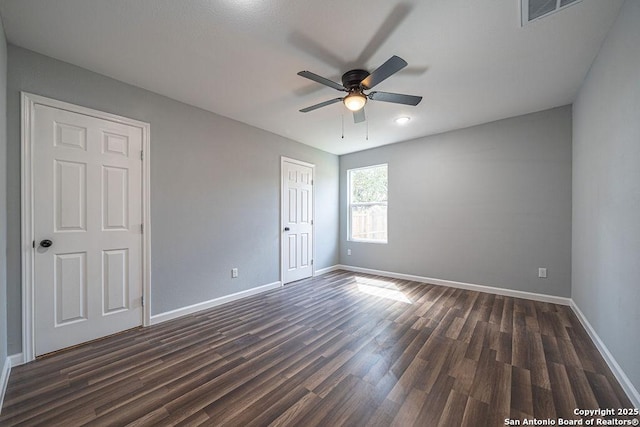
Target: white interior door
297 220
87 204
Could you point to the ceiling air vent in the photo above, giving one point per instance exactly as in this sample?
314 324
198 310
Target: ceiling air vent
535 9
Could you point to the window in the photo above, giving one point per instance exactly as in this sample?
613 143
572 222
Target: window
534 9
368 204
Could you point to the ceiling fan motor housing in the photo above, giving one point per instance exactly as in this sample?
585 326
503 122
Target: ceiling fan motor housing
351 79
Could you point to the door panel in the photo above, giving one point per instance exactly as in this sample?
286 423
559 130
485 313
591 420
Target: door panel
87 199
115 198
304 249
70 136
115 280
70 196
115 144
297 221
70 288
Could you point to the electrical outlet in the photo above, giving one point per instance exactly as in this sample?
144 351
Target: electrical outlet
234 273
348 251
542 272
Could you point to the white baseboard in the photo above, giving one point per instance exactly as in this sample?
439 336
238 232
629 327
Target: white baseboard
16 360
4 380
461 285
327 270
174 314
622 378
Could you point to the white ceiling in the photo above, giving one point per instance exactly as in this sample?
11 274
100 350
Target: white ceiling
470 59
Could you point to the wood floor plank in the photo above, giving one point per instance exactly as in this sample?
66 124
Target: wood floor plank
333 405
475 413
453 411
501 393
521 391
269 407
410 409
433 406
581 388
464 373
543 406
563 397
539 369
323 352
296 411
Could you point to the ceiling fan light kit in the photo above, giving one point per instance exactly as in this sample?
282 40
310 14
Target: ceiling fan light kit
355 82
355 101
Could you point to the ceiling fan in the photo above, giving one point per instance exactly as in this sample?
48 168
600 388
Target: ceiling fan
355 82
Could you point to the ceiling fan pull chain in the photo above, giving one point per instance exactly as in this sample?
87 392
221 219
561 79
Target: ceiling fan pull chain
342 115
367 130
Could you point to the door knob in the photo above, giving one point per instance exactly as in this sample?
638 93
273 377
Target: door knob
287 229
46 243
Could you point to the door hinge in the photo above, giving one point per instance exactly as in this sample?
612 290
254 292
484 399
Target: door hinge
33 244
142 155
142 301
311 262
142 228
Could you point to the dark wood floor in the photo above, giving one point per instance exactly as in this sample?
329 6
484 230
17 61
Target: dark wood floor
341 349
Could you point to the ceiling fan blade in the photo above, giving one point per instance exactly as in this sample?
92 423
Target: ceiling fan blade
320 105
316 78
389 68
358 116
396 98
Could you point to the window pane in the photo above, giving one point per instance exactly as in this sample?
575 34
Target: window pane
369 184
537 8
369 222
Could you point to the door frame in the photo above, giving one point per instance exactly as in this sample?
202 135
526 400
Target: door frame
284 159
28 103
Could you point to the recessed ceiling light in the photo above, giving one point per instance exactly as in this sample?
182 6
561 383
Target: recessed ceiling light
402 120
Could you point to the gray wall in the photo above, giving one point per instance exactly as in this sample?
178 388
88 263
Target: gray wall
486 205
215 188
606 193
3 197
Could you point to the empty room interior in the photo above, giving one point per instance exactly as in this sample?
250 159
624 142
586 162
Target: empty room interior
261 212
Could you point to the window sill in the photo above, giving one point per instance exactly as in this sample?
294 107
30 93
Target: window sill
378 242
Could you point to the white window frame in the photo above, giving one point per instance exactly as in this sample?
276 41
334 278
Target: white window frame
350 238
